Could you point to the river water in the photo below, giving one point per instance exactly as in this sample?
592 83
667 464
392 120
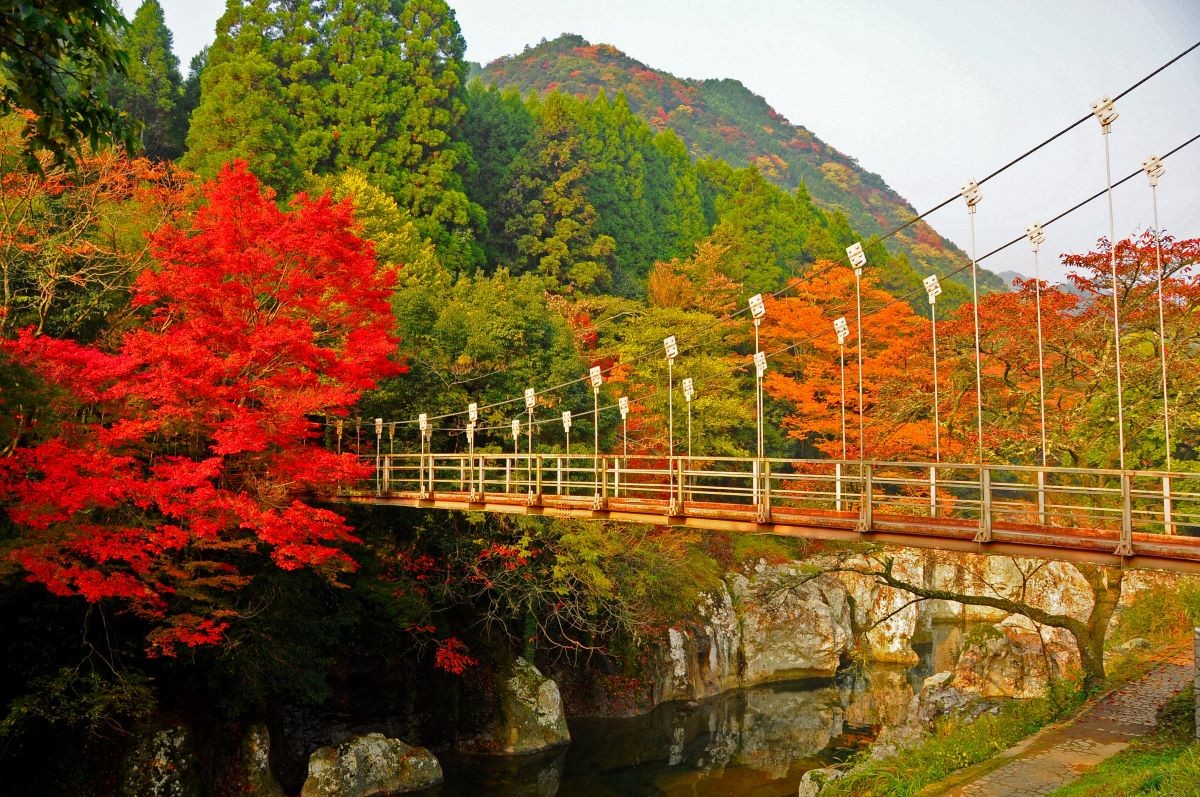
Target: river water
753 742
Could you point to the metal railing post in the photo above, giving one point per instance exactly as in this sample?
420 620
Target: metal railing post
1168 524
535 487
865 511
1125 546
837 487
387 474
601 469
508 474
558 484
755 470
933 510
617 477
985 505
1041 485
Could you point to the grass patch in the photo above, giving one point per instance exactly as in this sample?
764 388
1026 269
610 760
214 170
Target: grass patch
954 744
1164 763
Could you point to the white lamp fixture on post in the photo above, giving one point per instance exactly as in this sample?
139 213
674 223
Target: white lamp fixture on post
425 432
1037 237
378 455
973 196
1154 171
689 392
530 404
623 406
757 311
858 259
1106 114
842 329
933 289
671 348
597 379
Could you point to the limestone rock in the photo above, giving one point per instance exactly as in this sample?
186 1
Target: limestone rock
529 715
250 773
815 780
798 632
161 763
1013 659
370 765
887 616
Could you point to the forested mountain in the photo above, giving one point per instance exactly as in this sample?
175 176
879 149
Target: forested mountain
723 119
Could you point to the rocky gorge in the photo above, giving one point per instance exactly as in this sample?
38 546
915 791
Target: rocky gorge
720 676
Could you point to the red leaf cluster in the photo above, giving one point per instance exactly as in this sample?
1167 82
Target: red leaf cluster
190 444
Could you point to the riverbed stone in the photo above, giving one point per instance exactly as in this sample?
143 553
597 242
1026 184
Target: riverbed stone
529 716
250 773
815 780
370 765
161 763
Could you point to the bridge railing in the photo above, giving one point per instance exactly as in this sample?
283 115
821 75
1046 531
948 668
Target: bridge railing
861 495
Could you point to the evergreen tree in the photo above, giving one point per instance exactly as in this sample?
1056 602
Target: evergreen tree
497 127
191 89
151 90
550 224
243 112
433 156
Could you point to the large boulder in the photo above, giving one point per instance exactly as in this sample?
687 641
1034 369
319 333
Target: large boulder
370 765
529 715
1013 659
250 772
161 763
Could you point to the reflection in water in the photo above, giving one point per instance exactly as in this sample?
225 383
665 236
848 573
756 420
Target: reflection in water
756 742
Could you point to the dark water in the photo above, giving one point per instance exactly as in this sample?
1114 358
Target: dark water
754 742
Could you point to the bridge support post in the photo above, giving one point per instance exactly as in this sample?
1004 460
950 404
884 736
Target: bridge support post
601 501
558 484
1125 546
617 477
985 506
535 486
866 507
386 475
764 507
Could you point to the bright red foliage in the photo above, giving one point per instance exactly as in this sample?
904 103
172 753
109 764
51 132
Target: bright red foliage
190 443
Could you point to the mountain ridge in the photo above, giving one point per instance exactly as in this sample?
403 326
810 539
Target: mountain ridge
722 118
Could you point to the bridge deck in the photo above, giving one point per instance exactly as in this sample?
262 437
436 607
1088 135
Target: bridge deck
1150 551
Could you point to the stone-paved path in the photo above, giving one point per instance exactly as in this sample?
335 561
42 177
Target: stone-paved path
1059 755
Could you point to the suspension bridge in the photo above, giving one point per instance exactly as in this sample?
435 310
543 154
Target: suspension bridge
1125 517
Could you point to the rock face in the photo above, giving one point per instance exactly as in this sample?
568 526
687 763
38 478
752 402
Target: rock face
887 617
370 765
161 763
529 717
775 623
1012 659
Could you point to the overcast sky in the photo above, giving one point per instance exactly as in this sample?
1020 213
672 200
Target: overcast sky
926 94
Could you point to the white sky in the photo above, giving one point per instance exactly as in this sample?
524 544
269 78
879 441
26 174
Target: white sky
925 93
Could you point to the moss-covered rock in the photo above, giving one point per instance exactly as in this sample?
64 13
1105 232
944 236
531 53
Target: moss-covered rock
529 715
161 763
370 765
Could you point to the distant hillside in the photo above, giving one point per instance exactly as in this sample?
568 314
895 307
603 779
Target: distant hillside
723 119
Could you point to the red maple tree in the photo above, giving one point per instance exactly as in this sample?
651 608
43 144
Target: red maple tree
171 461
